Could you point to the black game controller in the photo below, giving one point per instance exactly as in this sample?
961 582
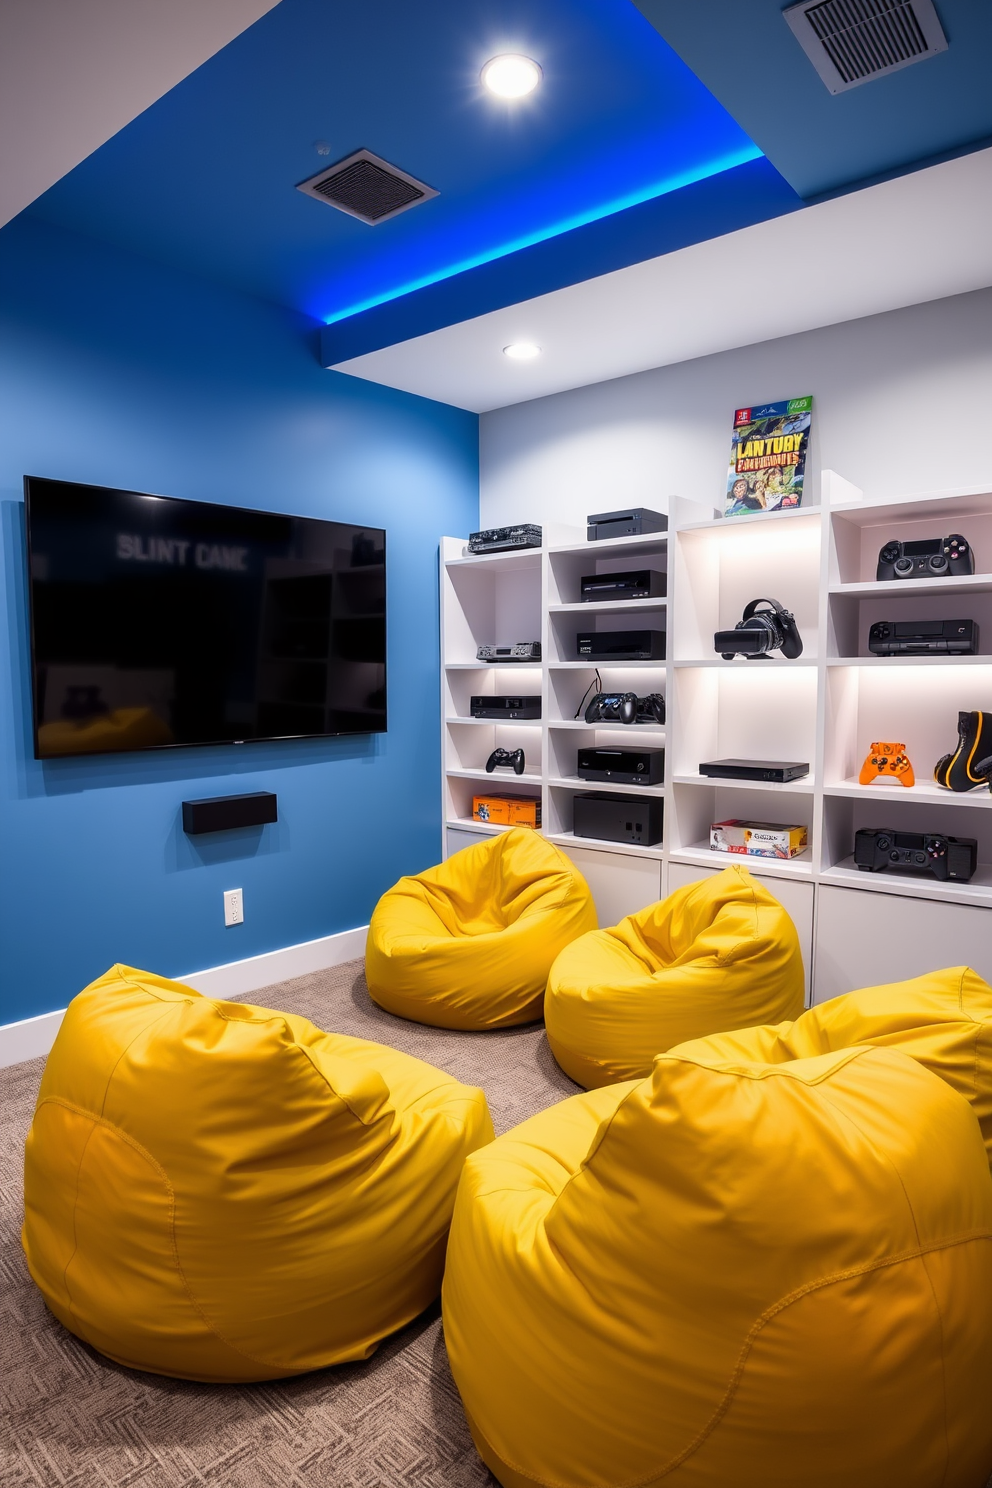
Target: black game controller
505 758
626 707
933 558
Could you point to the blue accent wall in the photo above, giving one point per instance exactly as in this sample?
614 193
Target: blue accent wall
115 371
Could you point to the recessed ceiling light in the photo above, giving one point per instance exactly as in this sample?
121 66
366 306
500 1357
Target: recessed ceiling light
522 351
511 76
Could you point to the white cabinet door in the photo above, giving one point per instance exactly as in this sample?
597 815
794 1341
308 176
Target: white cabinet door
866 939
620 882
795 896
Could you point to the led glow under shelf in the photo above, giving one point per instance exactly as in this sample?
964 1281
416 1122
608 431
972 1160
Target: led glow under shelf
651 731
707 857
923 791
906 661
964 584
778 662
575 782
912 885
505 777
527 723
646 541
606 666
611 606
791 514
803 786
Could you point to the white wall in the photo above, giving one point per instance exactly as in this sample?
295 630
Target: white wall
901 406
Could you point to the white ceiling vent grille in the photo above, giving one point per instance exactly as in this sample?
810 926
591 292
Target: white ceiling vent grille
367 187
853 41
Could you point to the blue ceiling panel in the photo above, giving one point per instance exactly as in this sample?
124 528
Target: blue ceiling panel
748 57
205 178
720 204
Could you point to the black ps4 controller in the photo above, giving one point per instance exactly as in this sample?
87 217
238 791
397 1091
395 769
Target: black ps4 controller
932 558
506 758
626 707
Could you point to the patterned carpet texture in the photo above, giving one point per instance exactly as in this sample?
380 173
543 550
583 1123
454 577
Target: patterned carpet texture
71 1419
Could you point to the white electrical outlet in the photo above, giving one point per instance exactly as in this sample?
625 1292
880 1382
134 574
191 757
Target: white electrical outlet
234 907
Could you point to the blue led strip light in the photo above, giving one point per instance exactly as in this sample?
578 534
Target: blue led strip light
542 234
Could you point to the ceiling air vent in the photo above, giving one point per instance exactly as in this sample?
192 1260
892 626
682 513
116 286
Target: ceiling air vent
367 187
853 41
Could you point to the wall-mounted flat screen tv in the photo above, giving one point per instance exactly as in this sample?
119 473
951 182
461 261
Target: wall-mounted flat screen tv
157 622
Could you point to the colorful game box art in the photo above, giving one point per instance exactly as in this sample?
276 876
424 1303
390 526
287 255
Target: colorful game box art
768 457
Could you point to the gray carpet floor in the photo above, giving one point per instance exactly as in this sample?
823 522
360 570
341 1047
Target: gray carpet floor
71 1419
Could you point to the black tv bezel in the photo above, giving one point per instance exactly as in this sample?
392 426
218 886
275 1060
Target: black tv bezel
200 743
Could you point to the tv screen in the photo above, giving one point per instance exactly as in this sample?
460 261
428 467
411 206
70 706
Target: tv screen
157 622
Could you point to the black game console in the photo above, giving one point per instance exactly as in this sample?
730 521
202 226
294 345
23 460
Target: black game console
503 539
633 521
639 583
624 766
923 637
879 848
522 651
621 645
780 771
616 818
933 558
505 709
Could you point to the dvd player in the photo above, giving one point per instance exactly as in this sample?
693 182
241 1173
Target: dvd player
633 521
640 583
522 651
621 645
503 708
502 539
780 771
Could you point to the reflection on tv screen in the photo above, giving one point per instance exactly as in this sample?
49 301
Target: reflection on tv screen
157 622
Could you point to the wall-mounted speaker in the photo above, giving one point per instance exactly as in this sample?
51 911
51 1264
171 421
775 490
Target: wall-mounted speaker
222 813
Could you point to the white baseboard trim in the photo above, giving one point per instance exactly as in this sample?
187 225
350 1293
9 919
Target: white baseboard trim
31 1037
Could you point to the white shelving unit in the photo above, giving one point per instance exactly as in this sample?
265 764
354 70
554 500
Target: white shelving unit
827 707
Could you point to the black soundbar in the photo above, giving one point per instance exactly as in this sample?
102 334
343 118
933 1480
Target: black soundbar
222 813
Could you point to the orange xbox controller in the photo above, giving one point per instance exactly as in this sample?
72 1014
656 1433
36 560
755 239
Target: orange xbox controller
885 761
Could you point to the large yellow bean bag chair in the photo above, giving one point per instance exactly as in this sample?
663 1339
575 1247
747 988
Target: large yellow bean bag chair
731 1273
221 1192
721 953
469 944
943 1019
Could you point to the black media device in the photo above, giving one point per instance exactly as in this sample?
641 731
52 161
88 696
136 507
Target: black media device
157 622
506 759
923 637
503 709
759 632
223 813
879 848
633 521
522 651
624 766
780 771
621 645
617 818
933 558
639 583
502 539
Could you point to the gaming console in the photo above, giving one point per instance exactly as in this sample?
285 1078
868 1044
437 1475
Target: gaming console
506 708
510 759
621 645
779 771
522 651
759 632
932 558
923 637
631 522
639 583
623 766
625 707
947 858
887 762
616 818
504 539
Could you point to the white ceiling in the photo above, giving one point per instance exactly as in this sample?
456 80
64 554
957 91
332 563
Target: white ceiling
917 238
74 72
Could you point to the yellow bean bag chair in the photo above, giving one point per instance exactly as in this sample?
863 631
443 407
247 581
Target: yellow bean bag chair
220 1192
469 944
731 1273
721 953
943 1019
